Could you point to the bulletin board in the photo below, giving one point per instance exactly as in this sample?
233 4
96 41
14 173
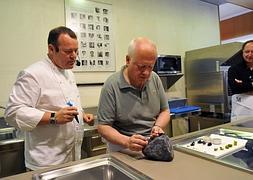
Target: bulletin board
92 23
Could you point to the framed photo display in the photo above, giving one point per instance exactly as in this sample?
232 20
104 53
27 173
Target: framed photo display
92 23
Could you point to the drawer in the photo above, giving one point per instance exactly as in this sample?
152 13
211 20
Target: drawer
93 145
97 150
96 140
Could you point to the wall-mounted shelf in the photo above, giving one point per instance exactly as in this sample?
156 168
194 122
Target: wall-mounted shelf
169 80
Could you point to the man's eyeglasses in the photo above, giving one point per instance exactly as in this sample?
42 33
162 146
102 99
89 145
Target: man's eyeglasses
143 67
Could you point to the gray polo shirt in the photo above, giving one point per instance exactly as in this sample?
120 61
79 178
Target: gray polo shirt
128 109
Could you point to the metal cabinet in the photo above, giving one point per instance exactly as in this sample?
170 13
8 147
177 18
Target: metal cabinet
206 77
92 143
11 157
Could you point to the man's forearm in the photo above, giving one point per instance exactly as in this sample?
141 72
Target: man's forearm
113 136
163 119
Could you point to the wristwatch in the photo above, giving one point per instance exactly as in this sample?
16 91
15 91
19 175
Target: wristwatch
52 119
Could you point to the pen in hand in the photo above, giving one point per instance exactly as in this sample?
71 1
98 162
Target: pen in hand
71 104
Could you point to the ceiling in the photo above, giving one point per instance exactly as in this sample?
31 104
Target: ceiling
232 8
229 10
244 3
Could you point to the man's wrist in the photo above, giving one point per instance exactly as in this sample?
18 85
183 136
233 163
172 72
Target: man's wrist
158 126
127 142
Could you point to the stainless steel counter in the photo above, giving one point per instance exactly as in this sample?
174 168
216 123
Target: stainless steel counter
186 165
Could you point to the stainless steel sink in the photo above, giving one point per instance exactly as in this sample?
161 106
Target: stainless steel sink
104 168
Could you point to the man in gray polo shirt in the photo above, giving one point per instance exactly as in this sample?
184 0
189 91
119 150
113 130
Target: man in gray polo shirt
133 104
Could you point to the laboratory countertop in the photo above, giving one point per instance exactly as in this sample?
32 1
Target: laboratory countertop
184 165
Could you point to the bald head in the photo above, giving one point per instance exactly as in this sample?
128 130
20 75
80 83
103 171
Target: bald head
140 60
140 44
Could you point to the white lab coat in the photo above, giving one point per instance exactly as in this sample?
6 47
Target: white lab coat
40 88
242 105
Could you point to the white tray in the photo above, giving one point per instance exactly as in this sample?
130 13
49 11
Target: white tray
225 140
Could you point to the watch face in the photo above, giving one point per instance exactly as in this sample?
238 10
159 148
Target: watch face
52 119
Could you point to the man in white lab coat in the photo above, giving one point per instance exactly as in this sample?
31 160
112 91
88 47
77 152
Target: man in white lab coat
240 79
45 104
